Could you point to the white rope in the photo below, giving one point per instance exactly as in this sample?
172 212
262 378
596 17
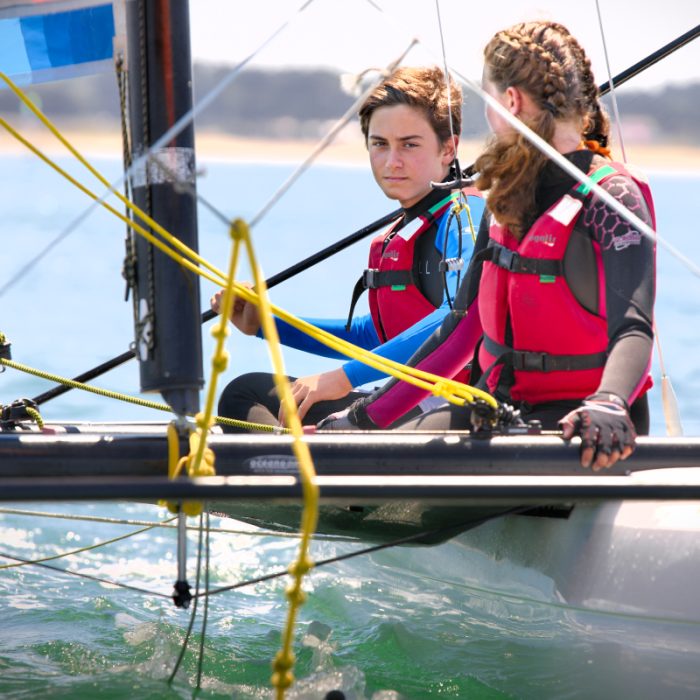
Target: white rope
557 157
181 124
613 89
327 139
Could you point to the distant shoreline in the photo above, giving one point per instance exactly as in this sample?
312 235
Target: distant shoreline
346 151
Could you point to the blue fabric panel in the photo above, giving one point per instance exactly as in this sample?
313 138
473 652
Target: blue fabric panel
13 55
69 38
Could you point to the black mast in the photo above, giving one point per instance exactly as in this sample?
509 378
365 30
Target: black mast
166 297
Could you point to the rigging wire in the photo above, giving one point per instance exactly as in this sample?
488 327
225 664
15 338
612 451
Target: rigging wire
558 158
668 395
418 538
182 123
613 89
167 524
89 577
87 548
349 114
457 174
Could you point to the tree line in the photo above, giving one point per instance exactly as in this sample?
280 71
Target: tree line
297 103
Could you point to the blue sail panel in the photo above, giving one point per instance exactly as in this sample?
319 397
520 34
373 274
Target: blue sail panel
53 46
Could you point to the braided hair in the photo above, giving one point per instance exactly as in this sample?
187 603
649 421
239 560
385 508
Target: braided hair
547 63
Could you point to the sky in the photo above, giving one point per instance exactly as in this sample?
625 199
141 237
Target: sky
353 35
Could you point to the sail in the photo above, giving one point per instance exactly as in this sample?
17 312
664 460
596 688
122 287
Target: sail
44 40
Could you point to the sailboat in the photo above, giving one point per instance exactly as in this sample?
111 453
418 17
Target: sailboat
624 544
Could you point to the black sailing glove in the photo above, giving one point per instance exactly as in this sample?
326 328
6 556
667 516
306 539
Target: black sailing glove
606 430
337 421
352 418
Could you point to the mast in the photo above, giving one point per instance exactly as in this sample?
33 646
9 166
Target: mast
166 296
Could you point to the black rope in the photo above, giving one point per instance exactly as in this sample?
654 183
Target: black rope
651 59
280 277
193 614
205 616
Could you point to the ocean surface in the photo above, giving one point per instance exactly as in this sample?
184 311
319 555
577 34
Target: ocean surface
378 626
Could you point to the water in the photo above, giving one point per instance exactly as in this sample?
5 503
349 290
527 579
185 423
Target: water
375 626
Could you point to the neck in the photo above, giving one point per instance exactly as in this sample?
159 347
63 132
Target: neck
567 137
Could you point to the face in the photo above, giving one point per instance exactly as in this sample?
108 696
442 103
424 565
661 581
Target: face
405 153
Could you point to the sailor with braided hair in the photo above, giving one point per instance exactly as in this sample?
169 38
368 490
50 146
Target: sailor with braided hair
555 312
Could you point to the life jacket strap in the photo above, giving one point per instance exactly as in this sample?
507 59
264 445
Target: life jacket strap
374 279
512 261
357 292
526 361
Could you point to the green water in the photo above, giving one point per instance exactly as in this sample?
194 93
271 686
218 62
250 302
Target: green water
66 637
401 623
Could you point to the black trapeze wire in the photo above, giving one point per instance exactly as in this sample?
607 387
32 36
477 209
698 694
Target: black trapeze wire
193 614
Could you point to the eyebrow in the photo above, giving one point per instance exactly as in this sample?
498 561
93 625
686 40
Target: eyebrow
412 137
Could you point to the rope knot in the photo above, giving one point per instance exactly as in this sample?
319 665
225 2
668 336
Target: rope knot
239 230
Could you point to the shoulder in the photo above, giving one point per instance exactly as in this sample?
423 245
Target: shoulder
630 190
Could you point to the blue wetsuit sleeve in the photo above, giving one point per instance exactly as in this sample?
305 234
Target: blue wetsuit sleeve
361 333
401 347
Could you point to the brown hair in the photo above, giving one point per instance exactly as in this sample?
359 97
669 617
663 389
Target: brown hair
545 61
423 88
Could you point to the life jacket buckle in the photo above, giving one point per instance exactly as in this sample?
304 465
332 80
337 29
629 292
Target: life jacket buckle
506 258
530 361
370 278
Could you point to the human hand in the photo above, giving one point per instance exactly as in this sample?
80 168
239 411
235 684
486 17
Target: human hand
307 391
337 421
244 315
607 433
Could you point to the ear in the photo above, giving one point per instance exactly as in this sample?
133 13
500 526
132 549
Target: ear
449 150
514 100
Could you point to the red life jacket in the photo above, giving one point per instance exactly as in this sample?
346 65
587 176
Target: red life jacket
395 301
559 348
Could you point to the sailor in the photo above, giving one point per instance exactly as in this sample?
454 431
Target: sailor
556 308
411 131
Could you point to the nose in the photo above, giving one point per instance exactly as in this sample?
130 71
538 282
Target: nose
394 159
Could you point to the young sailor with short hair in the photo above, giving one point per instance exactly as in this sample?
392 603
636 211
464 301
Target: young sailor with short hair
411 130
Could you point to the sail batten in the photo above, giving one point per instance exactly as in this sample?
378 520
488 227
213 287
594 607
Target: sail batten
62 40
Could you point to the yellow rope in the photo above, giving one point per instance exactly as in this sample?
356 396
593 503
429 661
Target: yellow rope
201 459
283 663
131 399
452 391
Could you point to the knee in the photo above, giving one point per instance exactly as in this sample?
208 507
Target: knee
242 389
